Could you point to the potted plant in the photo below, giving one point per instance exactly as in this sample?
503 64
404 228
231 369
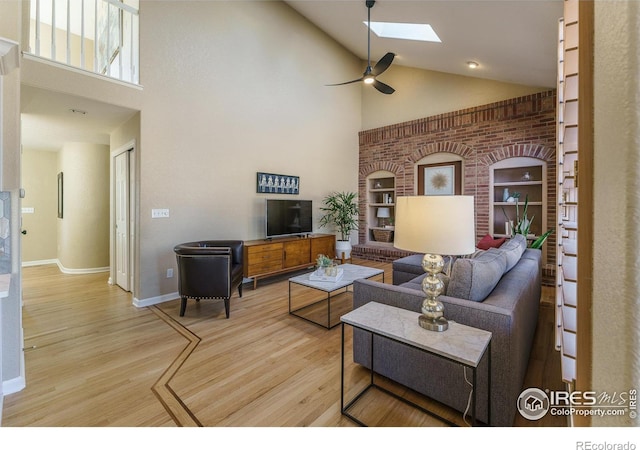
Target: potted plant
325 265
523 224
341 210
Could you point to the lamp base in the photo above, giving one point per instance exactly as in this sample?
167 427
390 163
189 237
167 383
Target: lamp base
437 324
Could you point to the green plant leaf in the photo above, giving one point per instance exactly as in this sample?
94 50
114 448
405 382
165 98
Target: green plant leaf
341 211
541 239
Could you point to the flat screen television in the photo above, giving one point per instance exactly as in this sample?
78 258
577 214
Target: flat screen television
288 217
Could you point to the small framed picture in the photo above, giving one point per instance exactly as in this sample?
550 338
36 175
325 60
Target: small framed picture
271 183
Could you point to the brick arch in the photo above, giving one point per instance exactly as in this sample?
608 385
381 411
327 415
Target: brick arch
389 166
537 151
439 147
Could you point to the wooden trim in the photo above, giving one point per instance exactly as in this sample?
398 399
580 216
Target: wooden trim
585 211
173 404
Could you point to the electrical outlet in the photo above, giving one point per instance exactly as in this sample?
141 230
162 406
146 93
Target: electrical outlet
169 273
159 213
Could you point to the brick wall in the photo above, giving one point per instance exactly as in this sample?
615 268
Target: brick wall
483 135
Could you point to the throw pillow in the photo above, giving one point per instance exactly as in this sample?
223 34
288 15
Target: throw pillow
488 242
474 279
513 250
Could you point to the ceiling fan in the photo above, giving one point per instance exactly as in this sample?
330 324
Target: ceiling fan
370 74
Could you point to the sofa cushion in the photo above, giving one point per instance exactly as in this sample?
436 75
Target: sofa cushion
488 242
474 279
409 264
513 250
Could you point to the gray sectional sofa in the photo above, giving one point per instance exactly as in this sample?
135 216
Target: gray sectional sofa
504 303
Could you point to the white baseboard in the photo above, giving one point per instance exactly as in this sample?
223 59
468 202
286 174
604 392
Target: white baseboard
42 262
14 385
63 269
155 300
82 271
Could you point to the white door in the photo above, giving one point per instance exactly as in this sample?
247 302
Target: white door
122 219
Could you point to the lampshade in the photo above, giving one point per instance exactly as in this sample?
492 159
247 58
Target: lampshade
383 213
439 224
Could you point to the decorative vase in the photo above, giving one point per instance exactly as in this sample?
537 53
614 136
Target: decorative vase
331 271
505 194
508 226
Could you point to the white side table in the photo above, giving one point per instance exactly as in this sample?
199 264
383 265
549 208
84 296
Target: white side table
459 343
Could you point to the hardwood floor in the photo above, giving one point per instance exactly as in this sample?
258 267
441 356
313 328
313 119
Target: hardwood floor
93 359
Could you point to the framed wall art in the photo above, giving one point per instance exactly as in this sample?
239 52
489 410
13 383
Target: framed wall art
271 183
440 179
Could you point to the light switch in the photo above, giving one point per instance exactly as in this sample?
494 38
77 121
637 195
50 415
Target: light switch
28 210
159 213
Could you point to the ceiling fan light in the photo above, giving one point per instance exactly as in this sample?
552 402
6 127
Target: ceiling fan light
369 79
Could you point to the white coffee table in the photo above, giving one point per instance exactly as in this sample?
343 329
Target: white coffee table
309 311
462 344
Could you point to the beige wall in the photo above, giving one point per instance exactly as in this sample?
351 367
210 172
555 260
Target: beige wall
75 42
209 122
424 93
616 248
39 179
83 232
230 89
10 19
233 88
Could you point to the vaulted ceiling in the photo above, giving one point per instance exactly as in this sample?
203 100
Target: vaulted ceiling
514 41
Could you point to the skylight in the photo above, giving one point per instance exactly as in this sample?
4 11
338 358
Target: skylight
410 31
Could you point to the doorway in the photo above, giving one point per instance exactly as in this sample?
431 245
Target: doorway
122 216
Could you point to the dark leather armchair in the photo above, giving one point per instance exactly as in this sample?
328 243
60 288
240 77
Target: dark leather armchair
209 270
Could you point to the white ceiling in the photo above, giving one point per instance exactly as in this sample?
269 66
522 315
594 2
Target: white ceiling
512 40
48 122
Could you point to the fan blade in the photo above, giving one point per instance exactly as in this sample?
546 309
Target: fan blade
384 88
346 82
383 64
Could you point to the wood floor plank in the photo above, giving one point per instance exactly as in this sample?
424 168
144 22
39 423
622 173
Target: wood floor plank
93 359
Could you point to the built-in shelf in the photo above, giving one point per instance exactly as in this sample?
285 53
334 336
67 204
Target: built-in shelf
381 195
512 182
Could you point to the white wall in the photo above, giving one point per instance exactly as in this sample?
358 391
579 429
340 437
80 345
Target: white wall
616 248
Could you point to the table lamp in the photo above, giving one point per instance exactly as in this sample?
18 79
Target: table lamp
382 214
435 225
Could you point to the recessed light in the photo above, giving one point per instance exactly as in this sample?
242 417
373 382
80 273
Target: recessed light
78 111
472 64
